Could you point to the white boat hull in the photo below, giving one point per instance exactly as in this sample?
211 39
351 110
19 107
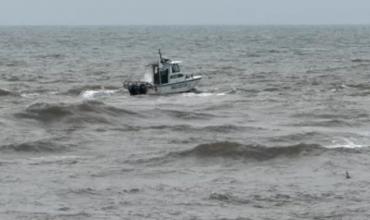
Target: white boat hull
183 86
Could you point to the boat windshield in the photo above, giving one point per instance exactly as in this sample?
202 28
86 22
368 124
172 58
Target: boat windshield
175 68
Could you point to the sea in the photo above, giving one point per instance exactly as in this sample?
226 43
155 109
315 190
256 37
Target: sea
278 128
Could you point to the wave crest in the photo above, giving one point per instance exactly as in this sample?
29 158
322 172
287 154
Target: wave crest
91 111
256 152
359 60
5 92
34 147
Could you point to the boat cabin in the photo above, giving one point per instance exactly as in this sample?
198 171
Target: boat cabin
167 72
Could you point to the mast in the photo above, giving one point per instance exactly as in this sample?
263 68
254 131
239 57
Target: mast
160 55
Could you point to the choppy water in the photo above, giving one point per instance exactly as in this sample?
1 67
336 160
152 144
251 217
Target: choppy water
282 113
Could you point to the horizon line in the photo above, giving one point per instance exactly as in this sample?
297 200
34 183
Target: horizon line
116 25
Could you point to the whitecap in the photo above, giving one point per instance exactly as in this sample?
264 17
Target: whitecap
30 95
344 143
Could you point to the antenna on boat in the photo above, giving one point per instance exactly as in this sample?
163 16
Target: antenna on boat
160 54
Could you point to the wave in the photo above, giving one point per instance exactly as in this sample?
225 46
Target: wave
360 86
296 137
187 128
257 152
35 147
15 63
88 111
227 128
228 198
5 92
339 69
326 123
187 115
326 119
358 60
348 115
236 150
55 159
51 56
84 191
327 70
277 51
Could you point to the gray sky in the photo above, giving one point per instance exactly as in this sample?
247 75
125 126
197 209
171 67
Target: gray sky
156 12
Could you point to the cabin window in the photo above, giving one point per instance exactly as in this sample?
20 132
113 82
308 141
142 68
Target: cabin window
177 76
175 68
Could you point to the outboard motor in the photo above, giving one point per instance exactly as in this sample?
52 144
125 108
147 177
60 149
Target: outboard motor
143 89
133 89
137 89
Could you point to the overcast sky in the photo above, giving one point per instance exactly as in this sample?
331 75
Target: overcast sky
194 12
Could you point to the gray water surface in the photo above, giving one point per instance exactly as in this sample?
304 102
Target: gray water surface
280 116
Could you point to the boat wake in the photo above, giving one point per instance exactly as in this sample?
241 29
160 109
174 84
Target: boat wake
93 94
80 90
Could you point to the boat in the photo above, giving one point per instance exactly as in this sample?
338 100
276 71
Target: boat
163 77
